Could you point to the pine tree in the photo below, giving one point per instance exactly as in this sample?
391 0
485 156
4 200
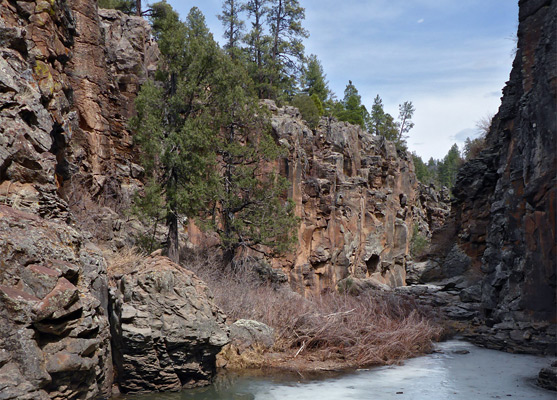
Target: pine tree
251 204
233 26
448 167
314 80
287 51
205 143
406 112
171 127
352 109
310 108
378 117
423 173
258 45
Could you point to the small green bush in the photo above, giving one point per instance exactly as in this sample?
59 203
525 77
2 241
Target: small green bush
419 243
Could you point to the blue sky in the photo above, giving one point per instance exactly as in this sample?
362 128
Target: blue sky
451 58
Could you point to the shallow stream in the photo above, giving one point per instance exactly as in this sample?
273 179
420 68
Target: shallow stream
457 370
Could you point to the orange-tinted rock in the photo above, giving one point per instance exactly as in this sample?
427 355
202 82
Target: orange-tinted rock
357 198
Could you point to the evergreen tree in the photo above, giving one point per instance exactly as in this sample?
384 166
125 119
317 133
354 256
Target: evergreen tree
423 172
205 144
251 204
314 80
352 109
258 45
287 51
171 126
309 108
233 26
390 130
448 167
406 112
378 117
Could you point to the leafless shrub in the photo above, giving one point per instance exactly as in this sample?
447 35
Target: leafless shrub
373 328
91 210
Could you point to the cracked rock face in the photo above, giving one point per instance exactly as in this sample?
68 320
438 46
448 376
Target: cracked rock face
357 198
506 198
166 328
69 77
54 331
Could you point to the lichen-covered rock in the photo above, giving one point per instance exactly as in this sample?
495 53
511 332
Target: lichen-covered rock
166 328
245 333
54 333
504 214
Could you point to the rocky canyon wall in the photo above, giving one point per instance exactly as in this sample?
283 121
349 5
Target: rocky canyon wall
358 201
505 206
68 76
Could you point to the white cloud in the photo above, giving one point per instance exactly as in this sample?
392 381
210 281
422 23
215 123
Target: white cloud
420 21
442 120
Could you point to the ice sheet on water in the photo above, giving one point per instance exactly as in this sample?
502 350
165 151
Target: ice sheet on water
448 374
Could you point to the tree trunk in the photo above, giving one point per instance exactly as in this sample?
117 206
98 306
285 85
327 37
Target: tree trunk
172 240
138 7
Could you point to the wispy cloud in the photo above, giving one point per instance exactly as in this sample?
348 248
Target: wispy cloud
420 21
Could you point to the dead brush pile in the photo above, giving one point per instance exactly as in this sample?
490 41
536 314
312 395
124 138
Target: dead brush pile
373 328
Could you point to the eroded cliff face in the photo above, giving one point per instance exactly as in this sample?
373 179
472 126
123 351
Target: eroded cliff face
68 76
357 199
61 96
505 206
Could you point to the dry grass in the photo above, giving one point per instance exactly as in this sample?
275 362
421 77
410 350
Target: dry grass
373 328
123 261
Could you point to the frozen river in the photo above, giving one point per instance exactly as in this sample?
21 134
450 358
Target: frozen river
457 370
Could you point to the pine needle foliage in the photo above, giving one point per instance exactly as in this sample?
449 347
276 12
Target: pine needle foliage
205 142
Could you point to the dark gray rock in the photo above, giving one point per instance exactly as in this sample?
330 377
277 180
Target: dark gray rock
503 215
54 331
547 377
166 329
472 294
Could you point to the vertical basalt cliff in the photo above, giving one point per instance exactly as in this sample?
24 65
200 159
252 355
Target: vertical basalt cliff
505 208
69 77
358 200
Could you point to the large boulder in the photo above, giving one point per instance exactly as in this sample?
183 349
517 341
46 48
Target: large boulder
246 333
166 328
54 332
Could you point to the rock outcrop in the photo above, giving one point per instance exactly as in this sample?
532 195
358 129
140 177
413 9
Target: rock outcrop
69 77
167 330
54 332
357 198
504 214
